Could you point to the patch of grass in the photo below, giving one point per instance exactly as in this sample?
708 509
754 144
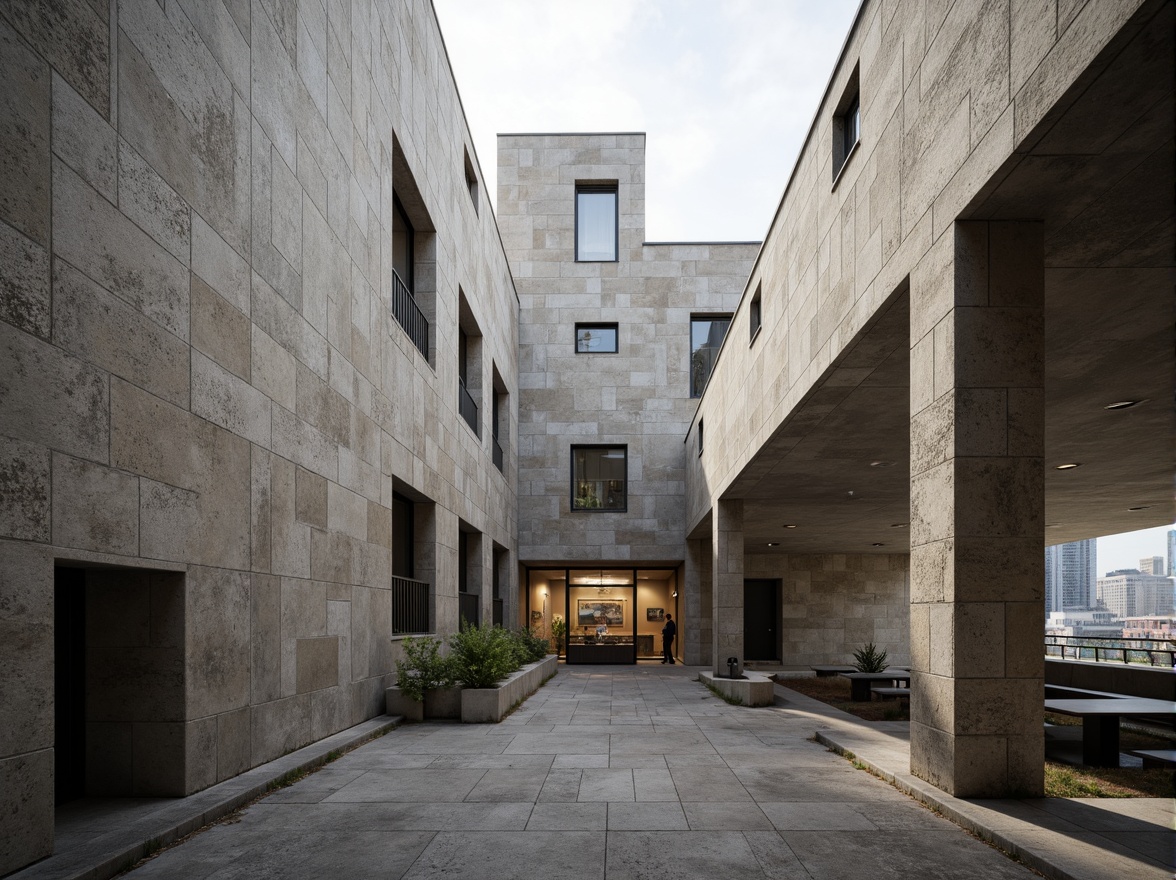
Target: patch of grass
835 691
1063 780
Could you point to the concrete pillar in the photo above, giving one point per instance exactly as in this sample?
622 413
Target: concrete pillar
977 511
697 608
727 583
482 575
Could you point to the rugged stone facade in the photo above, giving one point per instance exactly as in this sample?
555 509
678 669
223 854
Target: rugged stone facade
205 400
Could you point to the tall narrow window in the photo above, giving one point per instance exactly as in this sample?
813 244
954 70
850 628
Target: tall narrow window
599 478
471 178
847 124
706 335
496 416
466 404
755 312
596 222
700 436
402 537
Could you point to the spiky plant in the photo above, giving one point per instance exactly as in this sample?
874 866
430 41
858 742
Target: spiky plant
869 659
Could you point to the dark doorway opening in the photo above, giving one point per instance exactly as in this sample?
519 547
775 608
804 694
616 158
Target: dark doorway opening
761 624
69 682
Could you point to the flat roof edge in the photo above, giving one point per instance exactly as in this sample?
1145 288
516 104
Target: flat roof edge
504 134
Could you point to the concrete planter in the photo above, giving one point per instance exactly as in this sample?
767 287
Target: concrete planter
481 705
754 689
438 703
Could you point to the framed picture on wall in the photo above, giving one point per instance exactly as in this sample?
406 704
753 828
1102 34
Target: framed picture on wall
655 614
594 612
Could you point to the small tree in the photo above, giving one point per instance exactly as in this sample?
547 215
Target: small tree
559 629
869 659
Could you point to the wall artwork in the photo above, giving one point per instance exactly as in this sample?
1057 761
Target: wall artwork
655 614
593 612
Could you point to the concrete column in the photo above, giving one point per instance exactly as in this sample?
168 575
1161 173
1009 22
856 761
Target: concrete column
697 610
727 583
977 511
482 555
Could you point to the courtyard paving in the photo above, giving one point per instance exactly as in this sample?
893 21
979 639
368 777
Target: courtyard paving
604 773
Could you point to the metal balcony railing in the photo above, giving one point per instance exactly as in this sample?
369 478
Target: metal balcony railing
408 314
498 605
410 606
468 606
467 407
496 451
1139 651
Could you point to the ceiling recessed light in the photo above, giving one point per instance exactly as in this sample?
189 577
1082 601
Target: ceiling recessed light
1122 404
899 525
1141 507
789 525
878 544
773 543
1070 465
881 464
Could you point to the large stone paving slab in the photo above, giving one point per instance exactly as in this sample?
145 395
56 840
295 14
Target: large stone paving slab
630 773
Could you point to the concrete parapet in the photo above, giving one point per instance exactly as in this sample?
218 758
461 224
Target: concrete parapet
754 689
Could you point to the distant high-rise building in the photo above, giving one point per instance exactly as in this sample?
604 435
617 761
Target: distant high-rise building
1070 575
1171 552
1153 565
1131 593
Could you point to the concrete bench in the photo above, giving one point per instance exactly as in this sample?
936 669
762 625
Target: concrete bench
828 671
1154 758
1064 692
891 693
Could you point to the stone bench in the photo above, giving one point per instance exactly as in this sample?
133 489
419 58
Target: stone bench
891 693
754 689
827 671
1155 758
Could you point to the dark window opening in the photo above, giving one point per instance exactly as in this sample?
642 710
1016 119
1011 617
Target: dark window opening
599 478
402 244
847 124
596 339
596 223
402 537
700 436
471 178
706 336
755 312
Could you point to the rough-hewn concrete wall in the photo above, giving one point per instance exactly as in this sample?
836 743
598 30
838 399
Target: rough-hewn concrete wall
833 604
639 396
199 370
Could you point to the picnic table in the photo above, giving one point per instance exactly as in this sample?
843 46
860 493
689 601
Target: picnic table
861 682
1100 723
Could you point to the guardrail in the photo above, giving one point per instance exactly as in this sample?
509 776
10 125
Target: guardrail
1137 651
467 407
410 606
409 315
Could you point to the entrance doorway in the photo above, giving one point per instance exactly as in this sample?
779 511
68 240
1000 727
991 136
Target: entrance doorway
761 625
69 684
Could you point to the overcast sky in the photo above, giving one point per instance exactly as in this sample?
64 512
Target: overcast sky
725 92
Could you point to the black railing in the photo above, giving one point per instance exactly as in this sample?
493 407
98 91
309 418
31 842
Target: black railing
496 448
410 606
469 607
497 612
408 314
467 407
1138 651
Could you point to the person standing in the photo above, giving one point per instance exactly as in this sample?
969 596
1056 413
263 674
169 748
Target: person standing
668 632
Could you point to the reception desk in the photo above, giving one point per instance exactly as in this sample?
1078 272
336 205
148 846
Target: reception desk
608 649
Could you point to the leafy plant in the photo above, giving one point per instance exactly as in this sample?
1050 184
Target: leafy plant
527 647
423 667
481 655
869 659
559 629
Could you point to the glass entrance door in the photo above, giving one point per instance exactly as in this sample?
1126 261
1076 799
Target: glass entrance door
602 616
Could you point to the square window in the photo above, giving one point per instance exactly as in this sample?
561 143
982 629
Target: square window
599 479
596 339
596 222
706 336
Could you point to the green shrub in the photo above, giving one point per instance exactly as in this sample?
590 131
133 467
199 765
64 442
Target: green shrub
529 647
869 659
481 655
423 667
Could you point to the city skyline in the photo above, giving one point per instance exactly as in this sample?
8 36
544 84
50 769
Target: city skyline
1125 549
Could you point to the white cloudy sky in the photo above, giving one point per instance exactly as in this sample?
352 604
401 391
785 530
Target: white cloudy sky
725 91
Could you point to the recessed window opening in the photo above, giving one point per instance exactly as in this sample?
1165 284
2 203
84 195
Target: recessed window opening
596 222
599 477
402 244
755 312
596 339
847 123
471 178
706 337
700 436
